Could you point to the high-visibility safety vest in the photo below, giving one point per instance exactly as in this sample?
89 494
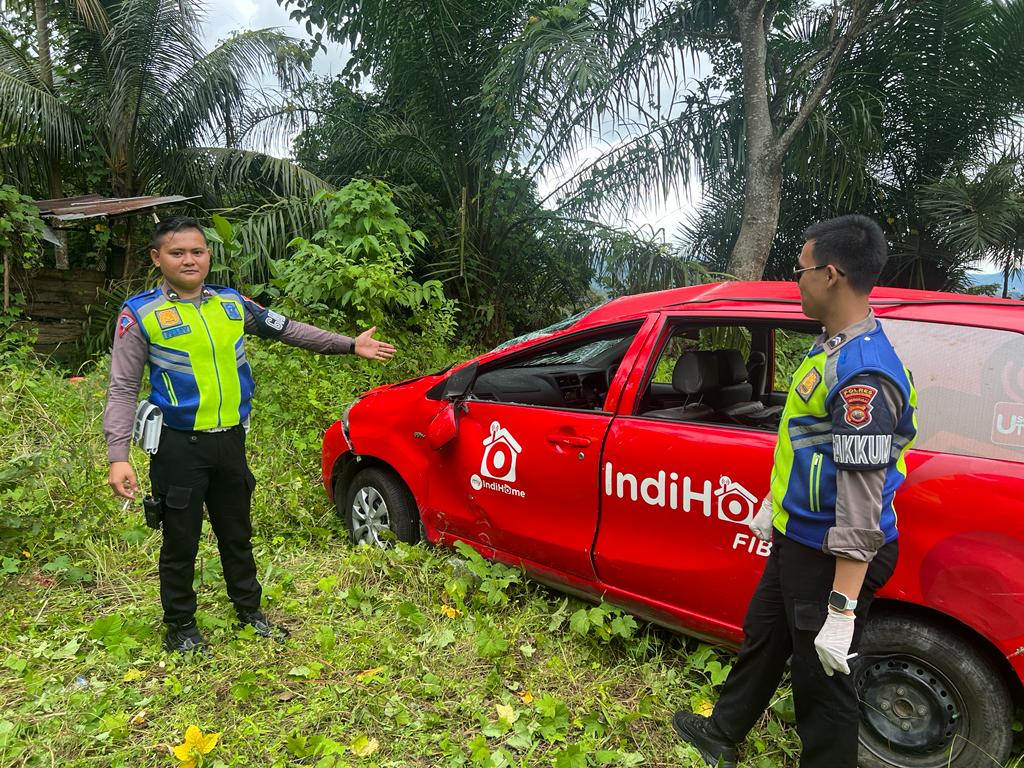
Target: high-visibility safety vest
804 474
198 374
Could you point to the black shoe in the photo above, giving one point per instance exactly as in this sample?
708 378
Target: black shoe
263 627
184 638
700 733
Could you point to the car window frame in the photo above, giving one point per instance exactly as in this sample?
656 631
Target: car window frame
664 332
547 343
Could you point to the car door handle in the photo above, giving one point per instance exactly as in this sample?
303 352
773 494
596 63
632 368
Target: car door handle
573 441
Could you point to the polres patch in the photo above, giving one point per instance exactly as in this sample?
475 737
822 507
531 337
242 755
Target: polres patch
125 322
857 404
808 384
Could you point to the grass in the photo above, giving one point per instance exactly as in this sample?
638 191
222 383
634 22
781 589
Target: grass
402 655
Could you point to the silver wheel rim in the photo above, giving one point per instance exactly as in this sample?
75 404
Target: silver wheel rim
369 516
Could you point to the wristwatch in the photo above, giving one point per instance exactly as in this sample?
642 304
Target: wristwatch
841 602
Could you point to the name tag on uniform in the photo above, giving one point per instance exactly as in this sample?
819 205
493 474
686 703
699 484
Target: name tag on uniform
168 318
232 310
181 330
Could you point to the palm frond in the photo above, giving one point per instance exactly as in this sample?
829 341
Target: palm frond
230 173
32 112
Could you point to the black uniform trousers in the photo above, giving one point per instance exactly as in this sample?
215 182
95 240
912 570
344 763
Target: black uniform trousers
188 470
785 614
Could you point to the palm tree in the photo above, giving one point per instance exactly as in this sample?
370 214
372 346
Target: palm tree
981 217
134 85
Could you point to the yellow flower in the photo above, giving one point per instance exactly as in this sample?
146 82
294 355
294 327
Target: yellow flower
526 696
451 613
26 553
195 744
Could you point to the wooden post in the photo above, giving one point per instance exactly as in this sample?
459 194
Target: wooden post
127 247
7 282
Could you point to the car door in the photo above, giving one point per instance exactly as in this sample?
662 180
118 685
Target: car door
676 497
521 477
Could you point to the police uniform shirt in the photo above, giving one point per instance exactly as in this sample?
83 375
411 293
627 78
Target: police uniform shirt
865 414
131 351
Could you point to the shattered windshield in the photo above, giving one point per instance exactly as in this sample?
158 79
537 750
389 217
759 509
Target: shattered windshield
560 325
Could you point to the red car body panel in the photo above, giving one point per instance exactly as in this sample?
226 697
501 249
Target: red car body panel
650 514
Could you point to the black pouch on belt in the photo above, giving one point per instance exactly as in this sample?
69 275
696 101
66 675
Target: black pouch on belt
154 508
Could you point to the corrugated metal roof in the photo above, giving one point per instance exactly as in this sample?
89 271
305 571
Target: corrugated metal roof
68 209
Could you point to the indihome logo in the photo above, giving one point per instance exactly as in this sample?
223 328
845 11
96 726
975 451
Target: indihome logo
669 490
501 455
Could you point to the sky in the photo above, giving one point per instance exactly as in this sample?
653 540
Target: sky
227 16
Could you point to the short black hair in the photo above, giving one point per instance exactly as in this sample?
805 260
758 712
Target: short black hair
173 224
855 244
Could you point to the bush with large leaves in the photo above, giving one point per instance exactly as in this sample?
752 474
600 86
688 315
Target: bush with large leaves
354 273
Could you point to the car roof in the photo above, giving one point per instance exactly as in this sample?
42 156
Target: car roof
784 298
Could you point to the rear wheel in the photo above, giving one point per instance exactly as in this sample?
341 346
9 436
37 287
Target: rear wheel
378 508
929 699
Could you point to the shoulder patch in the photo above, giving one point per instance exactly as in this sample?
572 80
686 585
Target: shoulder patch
808 384
125 322
168 318
857 404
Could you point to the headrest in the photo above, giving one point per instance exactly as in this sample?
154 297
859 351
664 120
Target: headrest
695 372
731 368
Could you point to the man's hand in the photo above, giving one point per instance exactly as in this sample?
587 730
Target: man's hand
371 349
122 479
761 525
833 642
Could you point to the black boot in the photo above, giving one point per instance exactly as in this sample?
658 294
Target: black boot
184 637
262 625
701 733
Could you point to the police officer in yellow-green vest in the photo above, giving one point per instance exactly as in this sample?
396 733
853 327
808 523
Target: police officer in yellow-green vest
192 336
850 418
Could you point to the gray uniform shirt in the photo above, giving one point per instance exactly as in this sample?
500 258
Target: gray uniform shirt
857 535
131 351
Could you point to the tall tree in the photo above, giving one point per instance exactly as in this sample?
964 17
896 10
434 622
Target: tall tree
910 104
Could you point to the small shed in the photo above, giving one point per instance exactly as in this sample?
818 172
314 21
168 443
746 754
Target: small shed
56 299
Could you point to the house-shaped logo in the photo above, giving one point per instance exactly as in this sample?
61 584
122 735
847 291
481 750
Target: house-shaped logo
501 453
735 503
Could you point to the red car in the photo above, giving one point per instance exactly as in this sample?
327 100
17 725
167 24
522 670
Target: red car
620 454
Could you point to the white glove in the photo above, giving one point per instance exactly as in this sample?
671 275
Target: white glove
833 642
761 525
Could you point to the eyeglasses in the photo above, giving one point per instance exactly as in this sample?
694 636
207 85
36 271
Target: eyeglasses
797 273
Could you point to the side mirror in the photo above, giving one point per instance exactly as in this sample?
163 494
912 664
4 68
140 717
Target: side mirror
458 383
443 427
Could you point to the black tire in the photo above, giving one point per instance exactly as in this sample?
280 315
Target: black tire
377 508
929 698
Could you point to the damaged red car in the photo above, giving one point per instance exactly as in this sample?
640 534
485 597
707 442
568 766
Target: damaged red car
620 454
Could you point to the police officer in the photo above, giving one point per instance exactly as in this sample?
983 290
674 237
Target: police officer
848 422
192 336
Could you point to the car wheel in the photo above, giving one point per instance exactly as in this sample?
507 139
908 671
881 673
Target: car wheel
379 508
928 699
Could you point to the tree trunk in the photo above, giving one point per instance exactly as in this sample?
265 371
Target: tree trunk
1006 281
763 183
761 203
46 76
